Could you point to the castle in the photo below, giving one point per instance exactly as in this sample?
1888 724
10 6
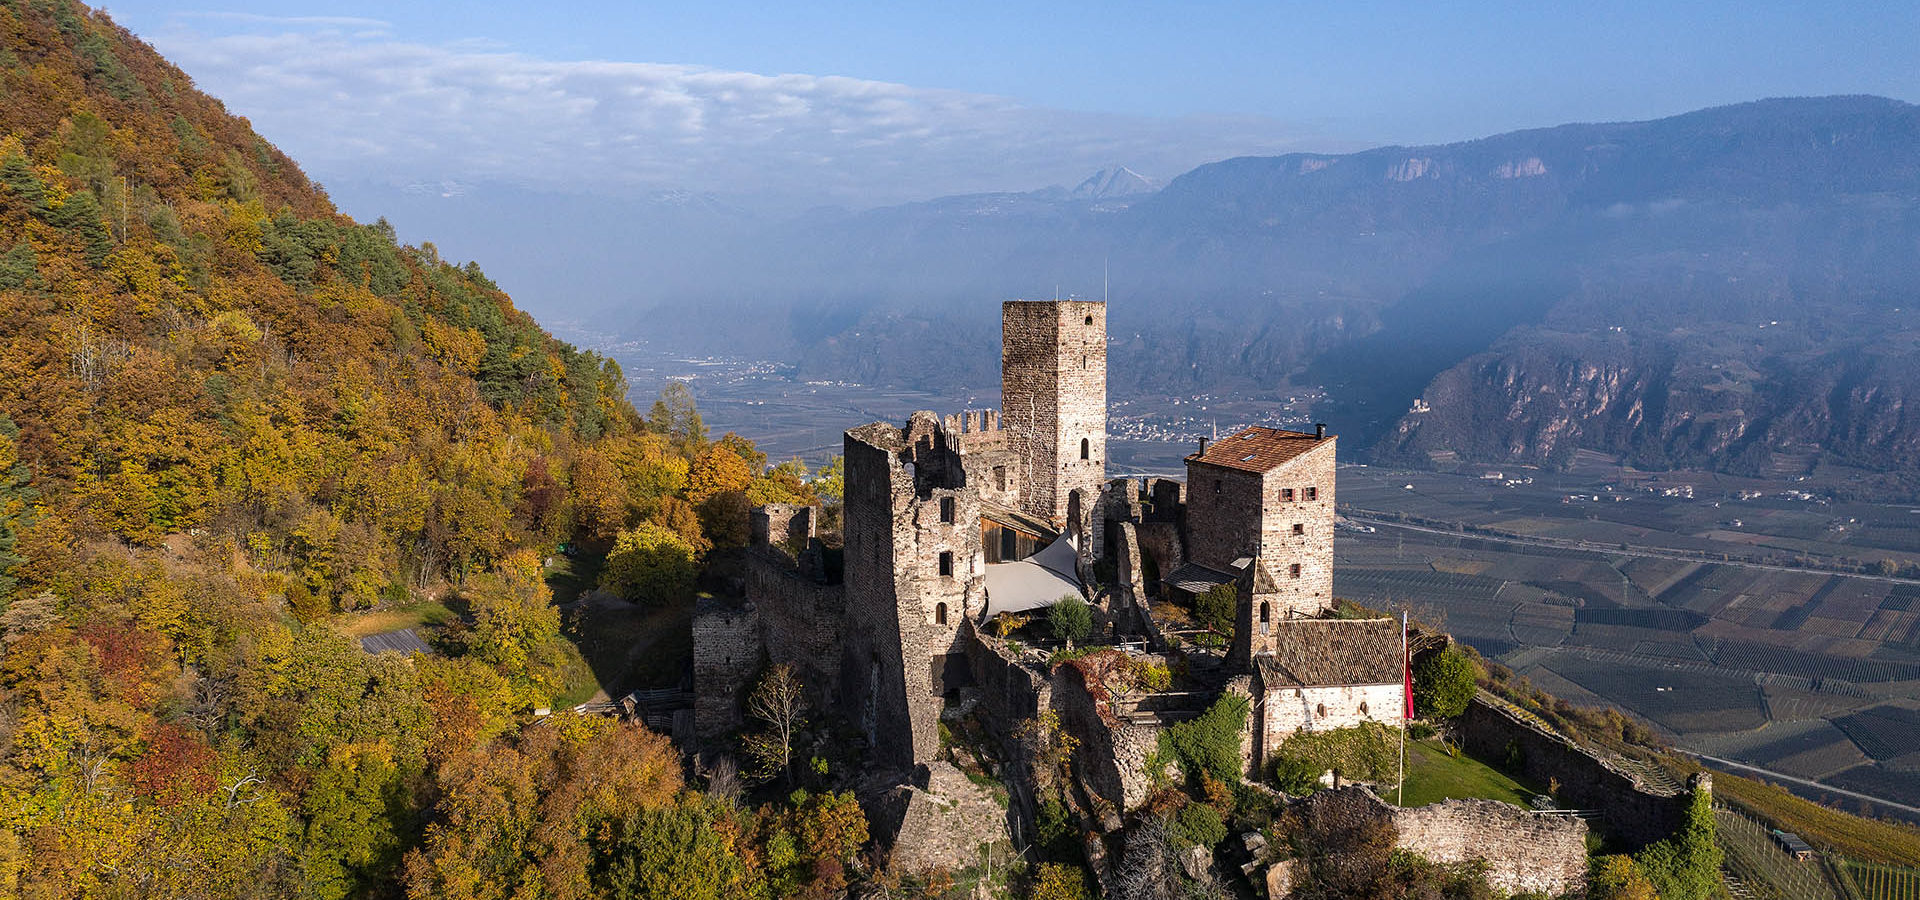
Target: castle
950 521
949 524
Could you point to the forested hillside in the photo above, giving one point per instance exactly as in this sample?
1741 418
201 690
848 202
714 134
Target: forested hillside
230 420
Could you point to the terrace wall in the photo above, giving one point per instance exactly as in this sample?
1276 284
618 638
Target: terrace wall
1631 812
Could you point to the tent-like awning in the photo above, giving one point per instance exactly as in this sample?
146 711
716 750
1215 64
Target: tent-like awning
1035 582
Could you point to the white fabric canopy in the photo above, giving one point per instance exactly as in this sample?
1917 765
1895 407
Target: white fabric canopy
1038 581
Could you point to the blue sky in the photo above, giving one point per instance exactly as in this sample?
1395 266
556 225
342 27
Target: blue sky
1366 71
774 108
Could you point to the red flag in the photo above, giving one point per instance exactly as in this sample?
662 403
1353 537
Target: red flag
1406 664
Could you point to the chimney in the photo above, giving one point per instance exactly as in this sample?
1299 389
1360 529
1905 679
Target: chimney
1320 432
1203 446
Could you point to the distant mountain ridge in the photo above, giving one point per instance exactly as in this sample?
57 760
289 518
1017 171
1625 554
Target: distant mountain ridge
1732 288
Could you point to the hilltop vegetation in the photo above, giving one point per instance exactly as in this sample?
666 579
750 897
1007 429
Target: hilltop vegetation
231 419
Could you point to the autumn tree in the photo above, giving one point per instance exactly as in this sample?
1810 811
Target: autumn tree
675 416
651 563
516 627
777 706
717 470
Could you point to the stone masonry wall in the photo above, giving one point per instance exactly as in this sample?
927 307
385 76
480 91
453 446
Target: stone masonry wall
1312 550
800 622
1631 813
873 673
1111 756
1223 516
1525 851
726 653
1053 370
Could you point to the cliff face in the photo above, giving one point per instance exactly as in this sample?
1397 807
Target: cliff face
1673 401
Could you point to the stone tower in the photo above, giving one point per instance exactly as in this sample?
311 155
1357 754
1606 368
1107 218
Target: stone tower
1053 401
915 573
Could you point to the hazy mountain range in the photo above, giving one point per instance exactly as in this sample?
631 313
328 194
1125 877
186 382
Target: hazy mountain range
1732 288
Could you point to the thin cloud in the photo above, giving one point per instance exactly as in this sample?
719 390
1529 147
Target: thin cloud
372 107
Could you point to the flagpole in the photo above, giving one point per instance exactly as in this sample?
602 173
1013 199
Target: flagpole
1406 670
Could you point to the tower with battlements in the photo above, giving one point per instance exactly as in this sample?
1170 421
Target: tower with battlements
1053 402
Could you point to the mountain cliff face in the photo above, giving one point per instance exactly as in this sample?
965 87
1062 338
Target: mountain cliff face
1669 291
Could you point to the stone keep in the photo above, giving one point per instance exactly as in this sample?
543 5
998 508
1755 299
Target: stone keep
1053 401
1266 495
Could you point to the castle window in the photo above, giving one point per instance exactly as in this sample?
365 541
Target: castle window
940 614
1293 571
1266 611
1312 493
946 564
1299 528
1083 362
946 509
1216 485
1286 495
1320 710
1089 320
1363 707
1086 449
999 478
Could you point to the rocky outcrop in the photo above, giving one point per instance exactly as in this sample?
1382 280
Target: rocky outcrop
939 820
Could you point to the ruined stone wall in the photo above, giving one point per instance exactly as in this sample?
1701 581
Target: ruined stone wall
786 525
1291 709
915 572
1110 760
726 654
1010 693
1524 851
1281 549
1129 586
1632 813
873 672
1053 370
1161 541
801 622
1223 515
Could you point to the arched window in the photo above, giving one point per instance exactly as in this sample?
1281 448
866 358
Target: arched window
1089 320
1363 707
940 614
1266 611
1320 710
1086 449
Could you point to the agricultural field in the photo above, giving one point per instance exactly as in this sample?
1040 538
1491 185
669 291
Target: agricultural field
1753 620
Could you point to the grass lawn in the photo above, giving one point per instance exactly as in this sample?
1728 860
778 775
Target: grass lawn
1433 776
357 625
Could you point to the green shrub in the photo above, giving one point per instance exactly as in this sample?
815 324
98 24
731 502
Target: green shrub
1215 608
1295 775
1200 824
1071 619
1059 834
1444 683
1209 744
1686 866
1151 676
1366 752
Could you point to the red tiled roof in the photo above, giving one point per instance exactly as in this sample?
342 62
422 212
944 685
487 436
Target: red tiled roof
1258 448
